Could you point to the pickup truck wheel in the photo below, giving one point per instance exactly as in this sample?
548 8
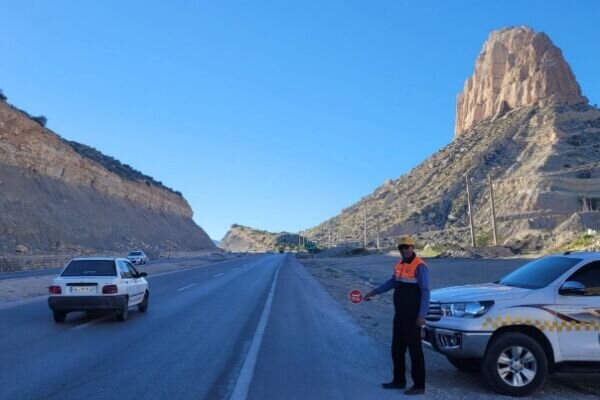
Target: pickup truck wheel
515 365
143 306
59 316
465 364
123 313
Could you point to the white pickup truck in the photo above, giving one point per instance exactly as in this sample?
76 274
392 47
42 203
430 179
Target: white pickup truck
543 317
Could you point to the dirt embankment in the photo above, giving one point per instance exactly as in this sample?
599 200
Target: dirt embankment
57 196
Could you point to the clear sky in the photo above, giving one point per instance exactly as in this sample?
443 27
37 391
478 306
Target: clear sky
270 114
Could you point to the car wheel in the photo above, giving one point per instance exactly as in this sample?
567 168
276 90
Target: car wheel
465 364
143 307
515 365
123 313
59 316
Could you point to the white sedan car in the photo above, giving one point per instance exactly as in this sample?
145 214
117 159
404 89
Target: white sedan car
137 257
93 284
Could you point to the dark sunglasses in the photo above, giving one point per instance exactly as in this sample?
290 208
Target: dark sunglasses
403 247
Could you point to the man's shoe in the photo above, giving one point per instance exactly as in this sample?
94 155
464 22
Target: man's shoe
414 391
394 385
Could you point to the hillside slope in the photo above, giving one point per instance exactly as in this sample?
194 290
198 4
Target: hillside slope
57 195
541 155
243 238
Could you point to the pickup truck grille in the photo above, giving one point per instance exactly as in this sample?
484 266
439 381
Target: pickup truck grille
435 311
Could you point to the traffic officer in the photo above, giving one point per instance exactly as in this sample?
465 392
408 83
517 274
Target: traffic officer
411 303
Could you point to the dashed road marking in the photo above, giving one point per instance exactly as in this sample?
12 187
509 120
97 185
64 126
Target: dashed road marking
218 275
181 289
92 322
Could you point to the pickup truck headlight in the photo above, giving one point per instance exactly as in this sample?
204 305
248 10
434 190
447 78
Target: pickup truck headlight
466 310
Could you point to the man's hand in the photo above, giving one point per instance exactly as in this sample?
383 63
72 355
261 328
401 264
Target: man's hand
368 296
420 321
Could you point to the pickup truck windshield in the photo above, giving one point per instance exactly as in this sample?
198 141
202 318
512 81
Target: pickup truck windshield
90 268
135 253
539 273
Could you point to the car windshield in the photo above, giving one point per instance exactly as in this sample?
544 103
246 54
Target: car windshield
539 273
135 253
90 268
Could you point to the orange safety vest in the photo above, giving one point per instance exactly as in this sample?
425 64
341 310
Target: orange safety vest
408 272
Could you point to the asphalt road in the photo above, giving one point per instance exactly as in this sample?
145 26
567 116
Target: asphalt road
249 328
55 271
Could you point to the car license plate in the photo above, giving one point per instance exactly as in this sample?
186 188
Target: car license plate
82 289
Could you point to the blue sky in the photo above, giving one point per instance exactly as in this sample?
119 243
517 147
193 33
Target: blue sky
270 114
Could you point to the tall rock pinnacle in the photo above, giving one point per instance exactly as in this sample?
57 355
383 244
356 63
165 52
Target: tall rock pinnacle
516 67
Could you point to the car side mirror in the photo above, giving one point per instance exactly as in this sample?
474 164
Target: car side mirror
572 288
141 274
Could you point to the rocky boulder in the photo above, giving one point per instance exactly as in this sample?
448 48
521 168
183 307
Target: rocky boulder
516 67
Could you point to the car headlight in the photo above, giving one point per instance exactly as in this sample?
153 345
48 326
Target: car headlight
466 310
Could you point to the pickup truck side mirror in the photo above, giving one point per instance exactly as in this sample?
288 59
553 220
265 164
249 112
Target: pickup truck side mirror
141 274
572 288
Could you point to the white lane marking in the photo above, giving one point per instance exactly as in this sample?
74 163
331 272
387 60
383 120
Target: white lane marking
218 275
181 289
190 268
240 391
92 322
235 269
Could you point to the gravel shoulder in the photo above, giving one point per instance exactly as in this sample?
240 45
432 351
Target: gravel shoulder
341 275
14 290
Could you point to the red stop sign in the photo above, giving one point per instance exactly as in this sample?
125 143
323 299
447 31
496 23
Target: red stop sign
355 296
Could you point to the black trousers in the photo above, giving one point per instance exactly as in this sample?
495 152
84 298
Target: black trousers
407 335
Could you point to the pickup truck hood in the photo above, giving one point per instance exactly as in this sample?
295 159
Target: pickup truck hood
481 292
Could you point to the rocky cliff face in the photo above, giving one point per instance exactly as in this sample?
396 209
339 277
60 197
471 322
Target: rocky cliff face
537 155
517 67
243 238
27 145
56 193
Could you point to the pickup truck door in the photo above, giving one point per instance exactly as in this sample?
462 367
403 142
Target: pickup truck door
578 316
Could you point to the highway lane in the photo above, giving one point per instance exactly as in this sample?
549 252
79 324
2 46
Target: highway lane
55 271
229 330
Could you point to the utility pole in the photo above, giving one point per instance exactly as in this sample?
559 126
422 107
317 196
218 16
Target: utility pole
470 211
494 230
365 229
377 227
328 237
299 241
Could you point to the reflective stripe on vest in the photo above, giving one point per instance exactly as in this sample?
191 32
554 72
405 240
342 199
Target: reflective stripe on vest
408 272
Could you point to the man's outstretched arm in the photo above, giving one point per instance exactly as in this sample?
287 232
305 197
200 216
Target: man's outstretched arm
385 287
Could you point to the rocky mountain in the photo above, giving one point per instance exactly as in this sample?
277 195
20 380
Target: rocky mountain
517 67
244 238
521 121
57 195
